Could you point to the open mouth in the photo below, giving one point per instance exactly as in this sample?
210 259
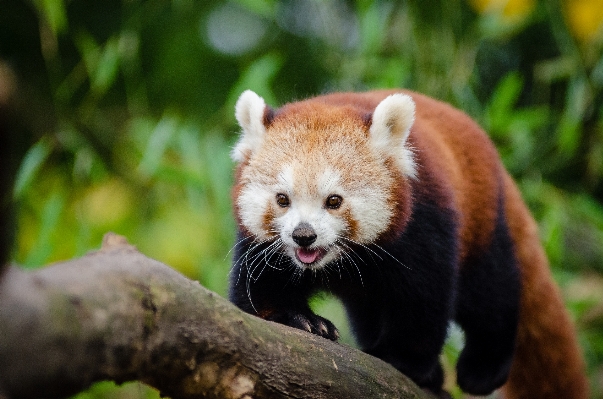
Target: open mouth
309 256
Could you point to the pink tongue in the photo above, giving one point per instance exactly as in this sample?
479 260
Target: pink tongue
307 255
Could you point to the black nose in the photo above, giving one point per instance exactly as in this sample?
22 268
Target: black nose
304 235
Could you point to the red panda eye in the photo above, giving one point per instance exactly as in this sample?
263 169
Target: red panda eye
334 202
282 200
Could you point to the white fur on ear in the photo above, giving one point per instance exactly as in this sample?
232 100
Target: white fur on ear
390 128
249 112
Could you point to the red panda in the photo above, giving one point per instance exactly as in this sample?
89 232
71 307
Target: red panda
399 205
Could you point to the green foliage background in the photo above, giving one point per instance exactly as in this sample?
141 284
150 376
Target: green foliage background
124 118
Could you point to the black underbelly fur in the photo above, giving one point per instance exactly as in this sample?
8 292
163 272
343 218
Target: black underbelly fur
400 297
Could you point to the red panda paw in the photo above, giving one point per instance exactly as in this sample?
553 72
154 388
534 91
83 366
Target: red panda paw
307 321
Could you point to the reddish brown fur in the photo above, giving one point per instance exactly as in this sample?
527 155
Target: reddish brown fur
236 191
318 114
452 148
548 363
458 152
352 229
268 219
401 200
314 118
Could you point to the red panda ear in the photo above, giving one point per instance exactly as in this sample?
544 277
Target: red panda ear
390 127
249 112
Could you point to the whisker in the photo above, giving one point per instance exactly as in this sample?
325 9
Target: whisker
351 250
340 263
245 257
349 257
244 261
336 263
263 251
268 252
390 255
235 245
378 247
363 246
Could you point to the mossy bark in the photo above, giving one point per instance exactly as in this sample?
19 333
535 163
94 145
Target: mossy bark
117 315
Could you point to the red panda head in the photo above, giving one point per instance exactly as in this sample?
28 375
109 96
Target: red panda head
321 177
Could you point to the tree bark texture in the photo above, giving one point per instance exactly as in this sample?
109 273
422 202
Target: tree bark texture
117 315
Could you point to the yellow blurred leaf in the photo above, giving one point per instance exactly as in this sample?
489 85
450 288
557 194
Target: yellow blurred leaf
585 18
510 10
107 203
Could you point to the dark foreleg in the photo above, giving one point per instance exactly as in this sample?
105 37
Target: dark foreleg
272 288
488 312
405 326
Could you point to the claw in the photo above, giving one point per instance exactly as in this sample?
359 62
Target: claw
307 321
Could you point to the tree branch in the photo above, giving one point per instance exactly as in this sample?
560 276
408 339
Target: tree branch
117 315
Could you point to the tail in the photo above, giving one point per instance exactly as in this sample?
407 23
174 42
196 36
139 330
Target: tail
548 362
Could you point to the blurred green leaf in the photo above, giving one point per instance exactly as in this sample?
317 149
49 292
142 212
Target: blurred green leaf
110 390
30 166
102 62
54 13
373 26
157 145
48 230
265 8
107 67
570 128
502 102
258 77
